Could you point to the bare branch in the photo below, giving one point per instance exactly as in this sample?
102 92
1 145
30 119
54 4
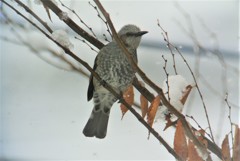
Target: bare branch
165 35
105 22
86 44
73 25
80 19
229 117
165 70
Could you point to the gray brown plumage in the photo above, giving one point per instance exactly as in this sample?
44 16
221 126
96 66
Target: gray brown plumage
112 66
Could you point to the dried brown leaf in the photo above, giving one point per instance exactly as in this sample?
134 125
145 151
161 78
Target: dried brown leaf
153 110
185 94
199 134
144 105
226 149
169 122
128 96
236 144
192 152
180 141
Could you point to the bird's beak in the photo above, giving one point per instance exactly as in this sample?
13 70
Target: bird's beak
141 33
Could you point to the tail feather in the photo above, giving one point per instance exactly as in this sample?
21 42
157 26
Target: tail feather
97 124
98 121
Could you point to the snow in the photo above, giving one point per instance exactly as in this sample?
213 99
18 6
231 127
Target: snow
64 16
174 89
62 37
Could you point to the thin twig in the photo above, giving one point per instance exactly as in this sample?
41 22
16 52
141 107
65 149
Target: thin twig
80 19
229 117
105 38
86 44
104 21
165 70
165 35
199 126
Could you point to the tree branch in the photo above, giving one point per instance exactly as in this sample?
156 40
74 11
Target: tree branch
72 24
91 40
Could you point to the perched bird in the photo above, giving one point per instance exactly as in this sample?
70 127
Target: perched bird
113 67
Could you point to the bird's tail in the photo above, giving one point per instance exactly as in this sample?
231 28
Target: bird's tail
98 121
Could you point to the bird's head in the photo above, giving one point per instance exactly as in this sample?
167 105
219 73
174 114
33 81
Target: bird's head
131 35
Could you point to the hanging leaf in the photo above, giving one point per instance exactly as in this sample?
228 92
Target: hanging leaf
144 105
185 94
153 110
192 152
180 141
169 122
236 144
200 133
143 102
226 149
128 96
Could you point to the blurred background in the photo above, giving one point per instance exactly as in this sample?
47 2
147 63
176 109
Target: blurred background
44 102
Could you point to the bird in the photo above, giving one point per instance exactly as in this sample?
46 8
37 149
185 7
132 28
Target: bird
113 66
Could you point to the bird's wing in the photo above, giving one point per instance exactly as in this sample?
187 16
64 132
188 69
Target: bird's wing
101 57
91 86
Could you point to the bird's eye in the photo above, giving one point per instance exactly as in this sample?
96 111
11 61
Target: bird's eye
131 34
